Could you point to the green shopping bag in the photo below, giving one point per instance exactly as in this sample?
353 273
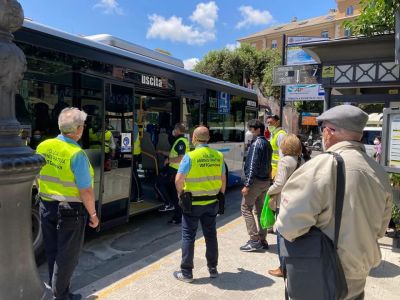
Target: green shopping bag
267 218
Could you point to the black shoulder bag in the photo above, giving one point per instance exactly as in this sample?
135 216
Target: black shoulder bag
311 265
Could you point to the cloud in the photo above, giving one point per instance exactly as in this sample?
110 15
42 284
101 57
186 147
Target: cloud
173 29
251 16
233 46
109 7
206 14
190 63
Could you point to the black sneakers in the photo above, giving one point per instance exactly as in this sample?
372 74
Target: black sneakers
185 278
265 245
251 246
213 272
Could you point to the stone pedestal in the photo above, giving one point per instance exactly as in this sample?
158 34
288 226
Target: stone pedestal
19 278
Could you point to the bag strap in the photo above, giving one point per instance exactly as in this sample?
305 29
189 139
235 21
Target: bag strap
340 187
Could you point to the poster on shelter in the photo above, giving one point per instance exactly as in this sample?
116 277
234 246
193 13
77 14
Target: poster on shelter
394 143
295 55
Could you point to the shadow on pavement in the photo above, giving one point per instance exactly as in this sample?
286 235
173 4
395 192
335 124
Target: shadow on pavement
385 269
244 280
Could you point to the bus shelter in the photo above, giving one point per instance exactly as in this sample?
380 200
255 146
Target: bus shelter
363 71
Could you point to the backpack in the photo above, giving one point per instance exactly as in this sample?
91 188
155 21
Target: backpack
311 265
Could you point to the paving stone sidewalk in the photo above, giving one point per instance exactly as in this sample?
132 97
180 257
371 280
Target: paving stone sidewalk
242 275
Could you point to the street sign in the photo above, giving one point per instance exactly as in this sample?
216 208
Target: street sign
224 103
306 74
328 71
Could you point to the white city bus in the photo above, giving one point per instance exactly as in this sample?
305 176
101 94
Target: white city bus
120 84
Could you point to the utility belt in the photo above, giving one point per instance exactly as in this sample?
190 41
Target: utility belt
186 201
67 209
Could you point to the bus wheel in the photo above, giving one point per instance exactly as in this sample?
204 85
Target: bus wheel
37 234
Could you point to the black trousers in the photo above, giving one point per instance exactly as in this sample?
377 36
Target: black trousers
165 186
207 216
63 226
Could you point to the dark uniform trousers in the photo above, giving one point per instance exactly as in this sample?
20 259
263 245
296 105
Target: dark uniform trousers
207 216
63 226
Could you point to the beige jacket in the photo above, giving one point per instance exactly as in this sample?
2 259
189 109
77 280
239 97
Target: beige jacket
308 199
286 167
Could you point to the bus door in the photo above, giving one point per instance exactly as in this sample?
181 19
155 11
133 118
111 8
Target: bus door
191 114
116 142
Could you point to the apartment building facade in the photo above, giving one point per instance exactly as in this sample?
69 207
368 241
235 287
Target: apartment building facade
327 26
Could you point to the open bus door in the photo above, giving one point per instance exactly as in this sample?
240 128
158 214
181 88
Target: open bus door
116 137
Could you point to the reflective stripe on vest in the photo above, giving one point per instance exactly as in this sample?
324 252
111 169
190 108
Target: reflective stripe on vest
56 179
204 177
174 154
95 140
275 147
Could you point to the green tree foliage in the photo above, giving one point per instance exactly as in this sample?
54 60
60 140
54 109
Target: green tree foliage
242 65
377 17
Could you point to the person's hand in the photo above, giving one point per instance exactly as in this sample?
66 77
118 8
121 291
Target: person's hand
245 190
94 221
166 162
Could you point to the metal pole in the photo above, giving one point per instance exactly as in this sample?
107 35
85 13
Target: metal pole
282 92
327 101
397 37
19 278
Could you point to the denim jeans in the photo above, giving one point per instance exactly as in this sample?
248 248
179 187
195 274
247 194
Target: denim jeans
63 226
207 216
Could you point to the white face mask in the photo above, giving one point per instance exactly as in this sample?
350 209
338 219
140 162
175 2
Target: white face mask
376 142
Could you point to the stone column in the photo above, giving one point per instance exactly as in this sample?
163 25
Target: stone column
19 278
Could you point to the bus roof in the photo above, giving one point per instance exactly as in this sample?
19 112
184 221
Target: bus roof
28 24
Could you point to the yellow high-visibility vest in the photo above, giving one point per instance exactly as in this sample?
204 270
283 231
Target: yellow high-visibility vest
174 154
136 146
56 179
204 177
95 140
275 150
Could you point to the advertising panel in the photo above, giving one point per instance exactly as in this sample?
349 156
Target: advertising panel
309 119
295 55
304 92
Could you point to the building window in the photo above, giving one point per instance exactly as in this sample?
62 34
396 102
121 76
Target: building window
325 34
350 11
347 32
274 44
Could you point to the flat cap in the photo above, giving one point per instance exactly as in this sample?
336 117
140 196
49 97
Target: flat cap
345 116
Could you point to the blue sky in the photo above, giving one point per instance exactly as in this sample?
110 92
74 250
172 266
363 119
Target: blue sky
188 29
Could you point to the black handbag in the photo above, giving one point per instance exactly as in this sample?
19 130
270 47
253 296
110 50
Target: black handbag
311 265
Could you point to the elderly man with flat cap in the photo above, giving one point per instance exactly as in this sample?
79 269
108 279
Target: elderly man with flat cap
200 183
308 198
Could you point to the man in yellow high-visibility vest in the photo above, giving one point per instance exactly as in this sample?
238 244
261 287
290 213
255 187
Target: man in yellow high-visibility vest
277 136
200 182
67 197
166 188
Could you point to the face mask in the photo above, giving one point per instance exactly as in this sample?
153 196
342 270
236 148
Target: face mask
173 132
271 128
376 142
37 136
